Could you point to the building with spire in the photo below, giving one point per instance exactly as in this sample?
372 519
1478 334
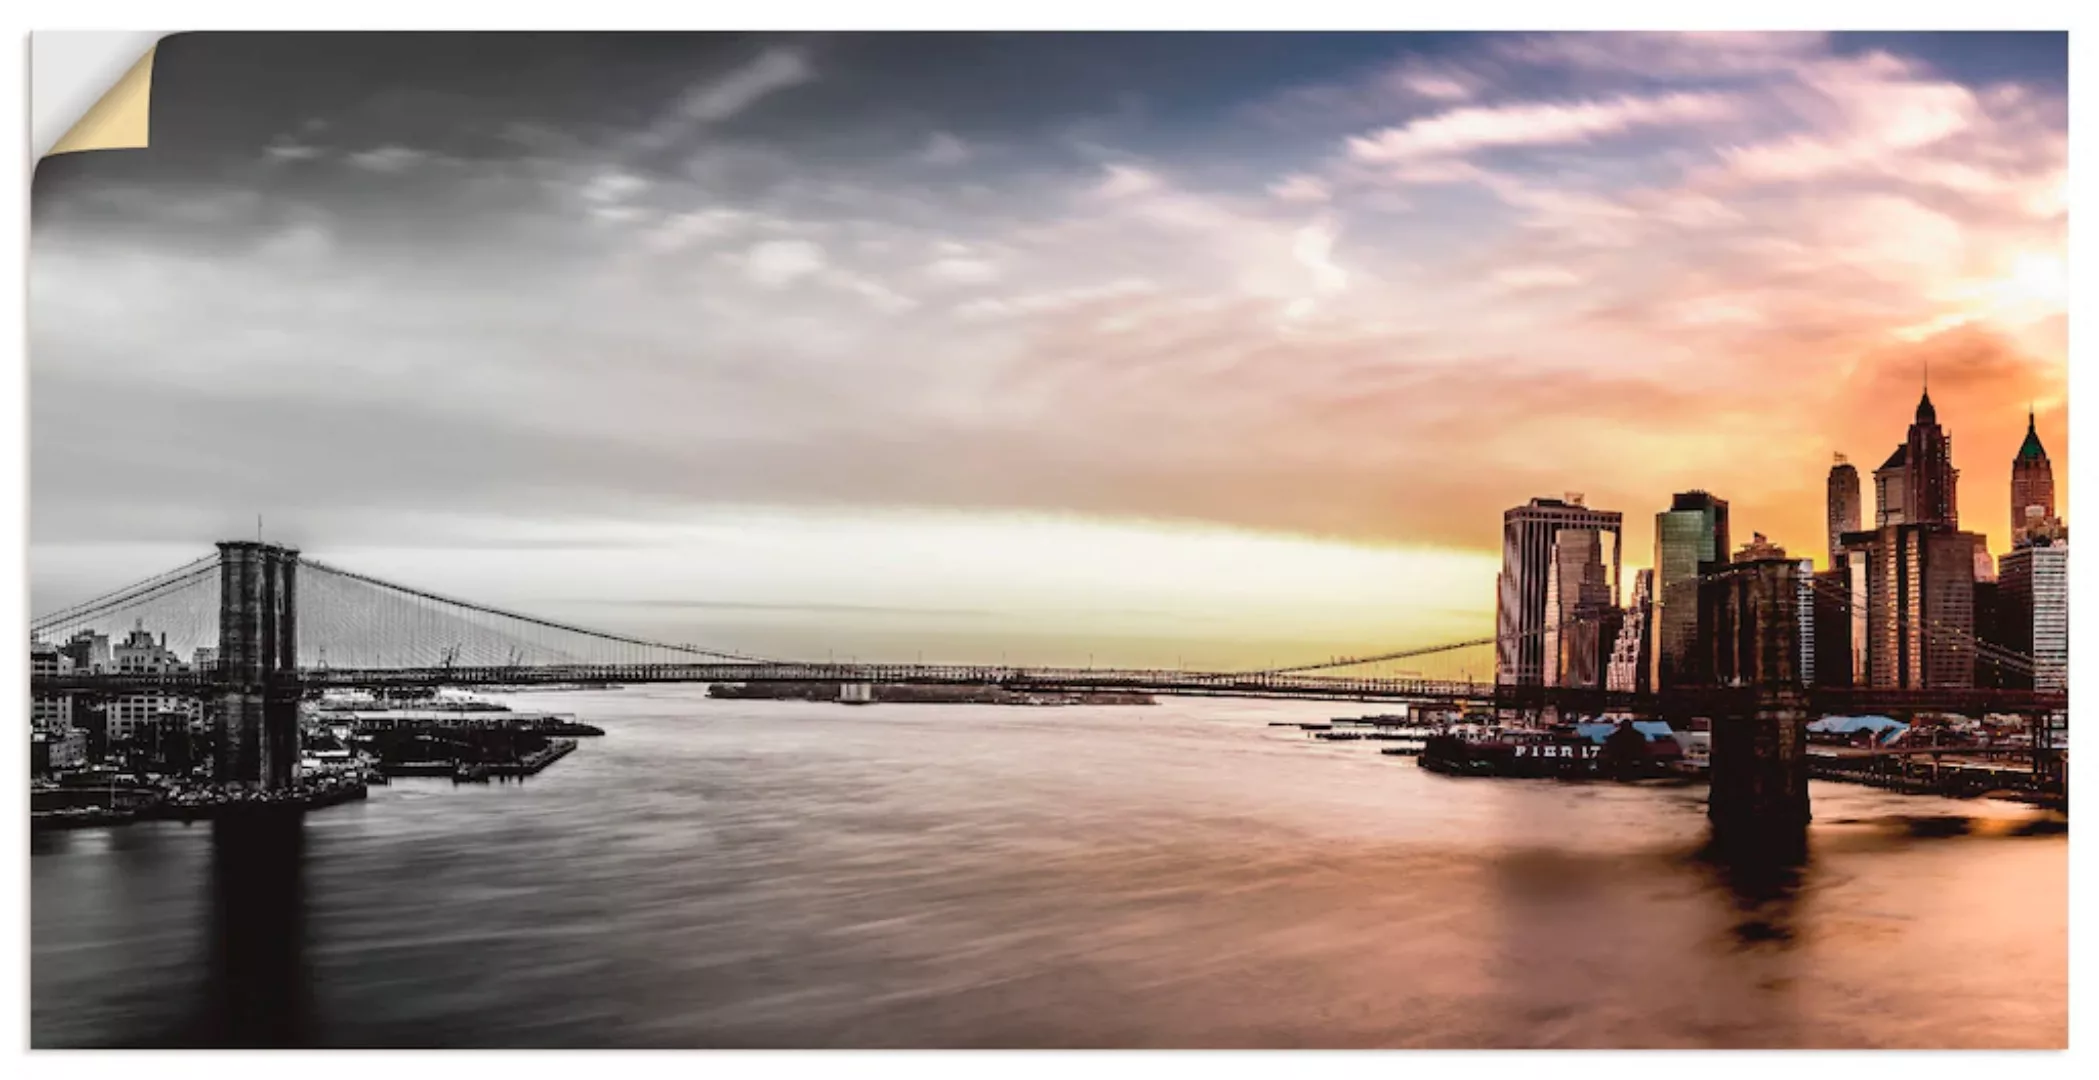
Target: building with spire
1917 484
1913 577
2033 492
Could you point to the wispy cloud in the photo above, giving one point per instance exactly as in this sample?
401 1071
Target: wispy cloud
1463 130
723 97
389 159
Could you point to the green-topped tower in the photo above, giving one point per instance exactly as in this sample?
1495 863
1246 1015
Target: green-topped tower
2033 492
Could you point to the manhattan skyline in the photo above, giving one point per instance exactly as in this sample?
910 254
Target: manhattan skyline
1004 344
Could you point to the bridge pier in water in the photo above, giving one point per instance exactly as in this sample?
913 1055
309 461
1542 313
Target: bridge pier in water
1760 767
258 706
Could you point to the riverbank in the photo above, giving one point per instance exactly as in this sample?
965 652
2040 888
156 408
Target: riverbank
194 804
1953 782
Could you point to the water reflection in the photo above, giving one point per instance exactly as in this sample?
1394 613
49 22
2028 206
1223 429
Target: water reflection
737 874
257 993
1763 873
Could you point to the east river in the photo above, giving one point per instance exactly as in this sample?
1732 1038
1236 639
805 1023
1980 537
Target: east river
784 874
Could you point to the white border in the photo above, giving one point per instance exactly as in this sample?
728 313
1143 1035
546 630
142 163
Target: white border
1068 14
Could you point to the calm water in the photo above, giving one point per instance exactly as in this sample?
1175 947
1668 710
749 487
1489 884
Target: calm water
730 874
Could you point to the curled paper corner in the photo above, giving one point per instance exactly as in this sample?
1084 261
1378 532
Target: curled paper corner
119 120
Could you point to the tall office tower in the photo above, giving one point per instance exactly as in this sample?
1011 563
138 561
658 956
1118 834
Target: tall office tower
1628 669
1917 484
1918 569
1845 504
1579 601
2033 492
1920 606
1930 478
1690 539
1529 543
2033 598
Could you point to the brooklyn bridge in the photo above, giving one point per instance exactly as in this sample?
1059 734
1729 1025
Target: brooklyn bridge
277 627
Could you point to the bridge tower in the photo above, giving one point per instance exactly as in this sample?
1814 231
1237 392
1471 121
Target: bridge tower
1757 656
258 719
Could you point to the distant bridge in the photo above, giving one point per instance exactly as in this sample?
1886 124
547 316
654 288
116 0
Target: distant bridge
276 620
1052 680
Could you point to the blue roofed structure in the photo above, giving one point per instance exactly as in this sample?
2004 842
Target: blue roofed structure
1884 729
1655 730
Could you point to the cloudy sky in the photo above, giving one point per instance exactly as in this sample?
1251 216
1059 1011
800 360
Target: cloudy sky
1213 348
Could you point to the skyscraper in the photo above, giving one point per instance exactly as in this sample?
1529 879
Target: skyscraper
1929 498
2033 492
2033 596
1920 605
1918 569
1628 671
1579 600
1690 539
1845 504
1530 549
1917 484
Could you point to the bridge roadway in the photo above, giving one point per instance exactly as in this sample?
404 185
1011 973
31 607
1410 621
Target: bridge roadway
1410 691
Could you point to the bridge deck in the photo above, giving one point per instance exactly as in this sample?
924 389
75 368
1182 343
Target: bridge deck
1427 692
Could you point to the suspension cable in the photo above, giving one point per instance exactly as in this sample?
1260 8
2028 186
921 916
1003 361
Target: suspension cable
550 624
129 595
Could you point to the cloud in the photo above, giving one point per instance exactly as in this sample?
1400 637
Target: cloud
1435 85
612 186
1314 249
776 263
1698 54
944 149
1056 300
1301 188
305 242
389 159
963 270
290 151
1459 131
1536 277
683 229
719 99
1126 181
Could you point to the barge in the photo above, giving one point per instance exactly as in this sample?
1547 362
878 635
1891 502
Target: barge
1626 754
